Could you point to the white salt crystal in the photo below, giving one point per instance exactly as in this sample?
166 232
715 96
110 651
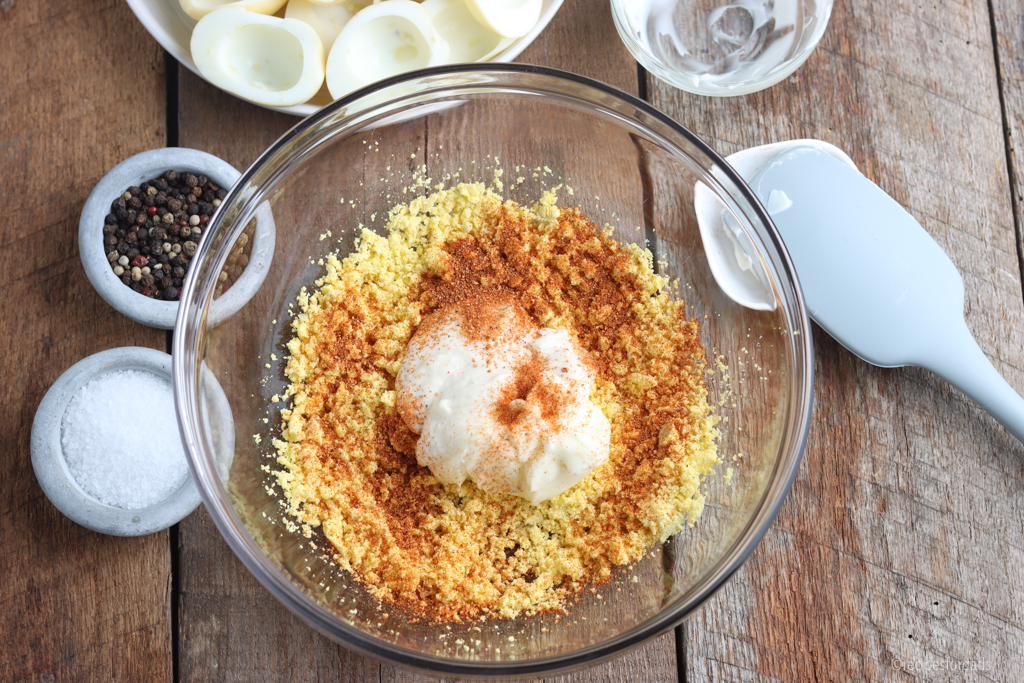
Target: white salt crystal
121 442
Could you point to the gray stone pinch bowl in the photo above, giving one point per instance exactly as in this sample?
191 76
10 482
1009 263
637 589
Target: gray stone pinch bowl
51 467
135 171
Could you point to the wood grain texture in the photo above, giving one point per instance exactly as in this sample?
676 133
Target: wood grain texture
897 554
230 627
581 38
654 661
1008 26
77 606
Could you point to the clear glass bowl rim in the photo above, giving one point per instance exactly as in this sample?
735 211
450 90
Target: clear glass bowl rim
190 333
740 88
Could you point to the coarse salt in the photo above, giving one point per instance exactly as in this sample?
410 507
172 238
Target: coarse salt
120 439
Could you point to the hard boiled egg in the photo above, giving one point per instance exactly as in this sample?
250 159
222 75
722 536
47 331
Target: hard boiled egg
272 61
327 20
509 18
197 9
383 40
467 38
352 6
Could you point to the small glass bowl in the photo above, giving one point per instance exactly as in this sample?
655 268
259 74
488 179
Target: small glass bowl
628 165
721 48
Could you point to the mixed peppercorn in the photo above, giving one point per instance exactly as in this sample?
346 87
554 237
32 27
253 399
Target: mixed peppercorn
153 230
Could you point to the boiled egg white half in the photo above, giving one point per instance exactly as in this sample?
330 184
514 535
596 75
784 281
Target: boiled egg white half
508 18
383 40
197 9
326 20
271 61
467 38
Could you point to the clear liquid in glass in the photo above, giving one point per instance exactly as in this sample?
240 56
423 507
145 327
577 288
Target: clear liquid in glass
710 45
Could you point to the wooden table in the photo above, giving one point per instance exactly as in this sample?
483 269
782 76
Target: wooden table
899 553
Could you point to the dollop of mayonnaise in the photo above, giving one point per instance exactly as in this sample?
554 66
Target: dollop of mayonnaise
500 401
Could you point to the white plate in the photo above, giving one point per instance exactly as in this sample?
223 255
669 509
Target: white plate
172 28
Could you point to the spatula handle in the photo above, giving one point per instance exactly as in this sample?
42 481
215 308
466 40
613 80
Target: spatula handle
964 365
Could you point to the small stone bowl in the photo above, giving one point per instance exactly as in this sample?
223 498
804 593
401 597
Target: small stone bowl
51 467
135 171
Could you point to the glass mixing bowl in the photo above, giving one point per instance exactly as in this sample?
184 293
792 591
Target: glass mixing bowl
629 166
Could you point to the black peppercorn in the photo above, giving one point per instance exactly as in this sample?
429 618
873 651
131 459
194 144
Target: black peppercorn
130 230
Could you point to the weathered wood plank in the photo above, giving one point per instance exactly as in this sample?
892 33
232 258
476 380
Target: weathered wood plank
581 38
654 662
230 627
900 544
1008 21
77 605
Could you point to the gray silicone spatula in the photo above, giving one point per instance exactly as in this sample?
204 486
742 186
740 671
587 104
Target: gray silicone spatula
875 280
